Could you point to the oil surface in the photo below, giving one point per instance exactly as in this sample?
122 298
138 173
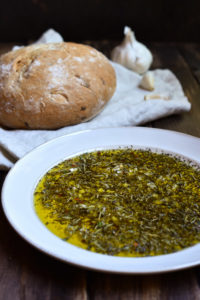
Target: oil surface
122 202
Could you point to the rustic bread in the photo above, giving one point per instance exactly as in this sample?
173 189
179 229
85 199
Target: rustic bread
48 86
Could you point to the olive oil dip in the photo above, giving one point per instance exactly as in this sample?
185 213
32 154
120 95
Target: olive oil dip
124 202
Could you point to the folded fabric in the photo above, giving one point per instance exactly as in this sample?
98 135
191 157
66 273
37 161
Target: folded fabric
127 107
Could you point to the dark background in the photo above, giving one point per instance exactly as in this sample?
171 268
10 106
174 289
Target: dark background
158 20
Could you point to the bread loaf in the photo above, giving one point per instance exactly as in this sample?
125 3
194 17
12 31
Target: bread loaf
48 86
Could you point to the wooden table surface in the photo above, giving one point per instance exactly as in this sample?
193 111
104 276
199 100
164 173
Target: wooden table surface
26 273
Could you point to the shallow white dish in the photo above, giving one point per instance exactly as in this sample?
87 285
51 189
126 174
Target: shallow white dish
19 185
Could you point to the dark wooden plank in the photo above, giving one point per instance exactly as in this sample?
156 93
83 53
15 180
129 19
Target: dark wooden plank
191 53
178 285
108 286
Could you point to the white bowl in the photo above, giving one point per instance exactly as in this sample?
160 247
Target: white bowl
20 183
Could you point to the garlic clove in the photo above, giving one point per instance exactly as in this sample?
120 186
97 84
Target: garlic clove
147 81
156 96
132 54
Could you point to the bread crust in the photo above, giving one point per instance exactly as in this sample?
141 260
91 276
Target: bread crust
48 86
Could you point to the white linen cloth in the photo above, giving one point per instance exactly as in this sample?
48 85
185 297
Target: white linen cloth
126 108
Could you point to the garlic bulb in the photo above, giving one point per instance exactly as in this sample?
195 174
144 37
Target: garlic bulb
132 54
147 81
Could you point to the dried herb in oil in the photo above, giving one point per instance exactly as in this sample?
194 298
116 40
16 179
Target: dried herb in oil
124 202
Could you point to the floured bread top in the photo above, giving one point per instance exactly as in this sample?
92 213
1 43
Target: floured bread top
48 86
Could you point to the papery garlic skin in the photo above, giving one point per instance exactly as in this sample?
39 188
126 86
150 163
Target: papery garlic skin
132 54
